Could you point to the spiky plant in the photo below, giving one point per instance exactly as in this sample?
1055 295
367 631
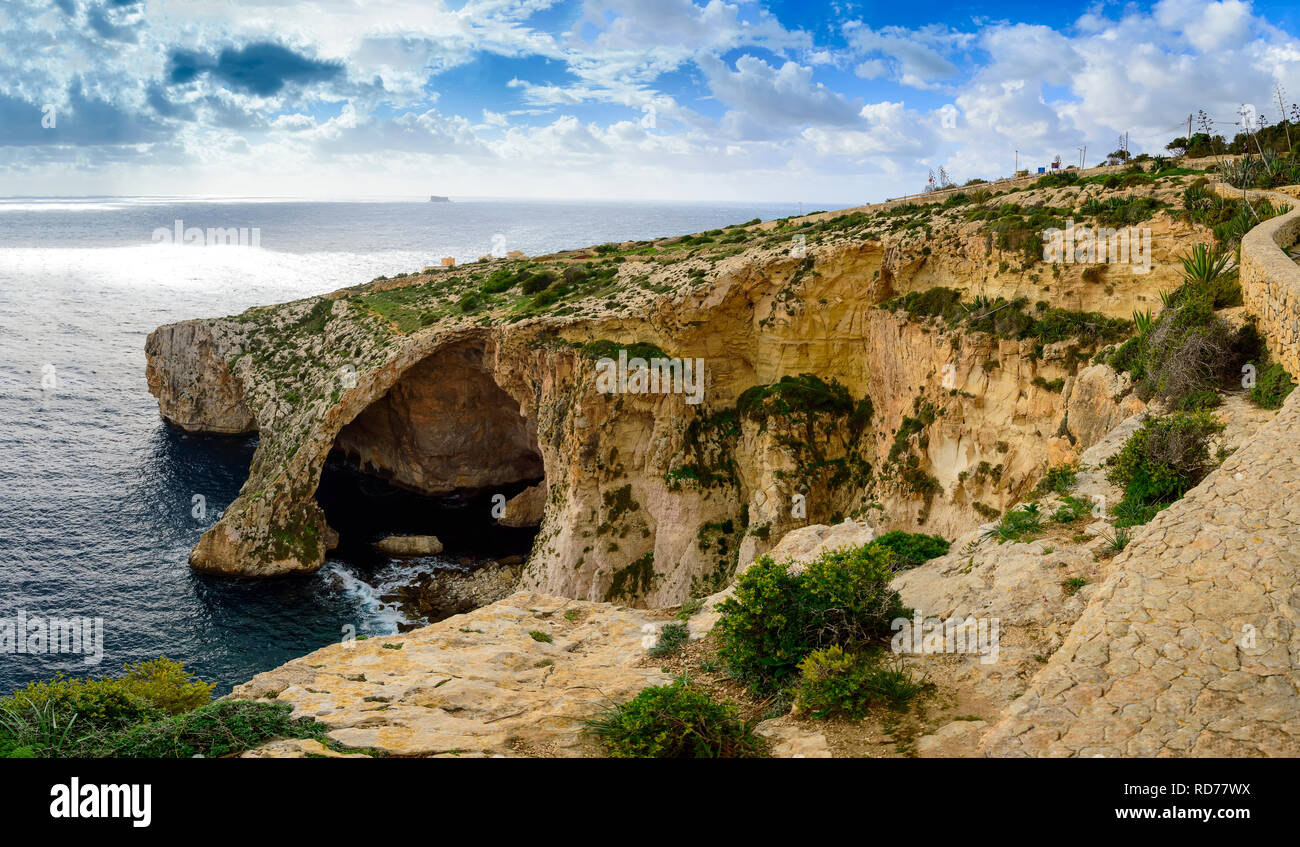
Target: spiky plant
1203 266
1143 320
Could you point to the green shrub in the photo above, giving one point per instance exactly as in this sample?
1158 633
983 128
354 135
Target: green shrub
1071 509
1160 462
910 549
671 638
835 682
146 690
502 280
1058 479
605 349
218 729
778 616
315 319
803 394
676 721
536 282
1206 272
1271 386
1188 349
66 716
1201 398
1008 319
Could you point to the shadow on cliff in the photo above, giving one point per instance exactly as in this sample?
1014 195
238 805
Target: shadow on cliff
363 508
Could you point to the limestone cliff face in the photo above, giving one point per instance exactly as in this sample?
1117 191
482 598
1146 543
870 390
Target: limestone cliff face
453 381
445 425
188 372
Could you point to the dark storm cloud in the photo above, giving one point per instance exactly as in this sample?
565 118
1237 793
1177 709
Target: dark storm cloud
260 68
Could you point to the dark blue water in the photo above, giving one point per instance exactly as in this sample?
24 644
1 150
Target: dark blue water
97 512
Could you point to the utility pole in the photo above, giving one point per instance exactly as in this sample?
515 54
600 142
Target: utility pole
1017 170
1189 132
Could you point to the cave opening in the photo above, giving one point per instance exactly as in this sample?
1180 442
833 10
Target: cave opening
436 455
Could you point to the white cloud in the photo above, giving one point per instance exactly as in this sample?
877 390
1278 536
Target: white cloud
744 104
784 98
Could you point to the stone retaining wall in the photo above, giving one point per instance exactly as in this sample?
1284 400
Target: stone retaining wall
1270 281
1191 647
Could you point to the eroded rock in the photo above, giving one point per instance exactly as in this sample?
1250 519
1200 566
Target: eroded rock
514 678
409 546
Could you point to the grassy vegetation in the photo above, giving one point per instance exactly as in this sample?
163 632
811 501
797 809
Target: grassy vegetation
676 721
803 395
1019 524
1008 318
671 638
1272 386
1058 479
1072 509
1117 212
1229 218
1188 350
154 710
605 349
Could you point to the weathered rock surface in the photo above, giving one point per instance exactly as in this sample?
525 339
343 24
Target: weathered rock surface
1190 646
475 684
438 594
409 546
526 508
1098 398
789 739
444 426
807 543
187 370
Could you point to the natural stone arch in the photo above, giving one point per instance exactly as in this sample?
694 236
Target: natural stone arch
445 426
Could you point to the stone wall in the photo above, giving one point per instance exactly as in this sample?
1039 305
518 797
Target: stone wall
1270 281
1191 646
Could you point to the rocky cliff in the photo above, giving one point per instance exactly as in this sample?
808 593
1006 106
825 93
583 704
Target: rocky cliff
825 394
1182 644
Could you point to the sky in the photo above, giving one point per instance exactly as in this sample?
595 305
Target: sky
678 100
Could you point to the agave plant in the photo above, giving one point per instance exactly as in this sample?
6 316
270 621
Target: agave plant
1197 202
1239 173
1204 265
1143 320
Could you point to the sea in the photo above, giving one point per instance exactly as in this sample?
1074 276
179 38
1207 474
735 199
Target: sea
101 500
